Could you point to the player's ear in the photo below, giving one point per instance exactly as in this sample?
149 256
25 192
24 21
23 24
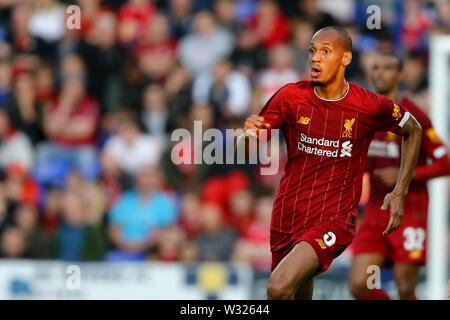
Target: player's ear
347 58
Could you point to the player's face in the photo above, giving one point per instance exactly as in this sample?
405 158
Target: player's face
385 74
326 57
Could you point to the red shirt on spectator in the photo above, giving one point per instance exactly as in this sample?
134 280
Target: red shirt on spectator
87 110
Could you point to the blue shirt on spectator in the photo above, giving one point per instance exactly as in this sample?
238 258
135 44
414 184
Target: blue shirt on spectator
138 218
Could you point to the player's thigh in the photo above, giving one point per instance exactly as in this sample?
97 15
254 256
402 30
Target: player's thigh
298 266
305 291
360 268
406 275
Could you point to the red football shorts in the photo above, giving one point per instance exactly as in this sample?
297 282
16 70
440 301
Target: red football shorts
407 244
328 239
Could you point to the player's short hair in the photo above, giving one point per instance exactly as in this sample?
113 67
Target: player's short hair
344 37
399 59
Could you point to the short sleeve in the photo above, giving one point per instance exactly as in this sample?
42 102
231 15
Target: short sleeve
432 145
390 116
273 111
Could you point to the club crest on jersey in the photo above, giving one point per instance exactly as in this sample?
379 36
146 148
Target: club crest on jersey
396 114
304 120
348 125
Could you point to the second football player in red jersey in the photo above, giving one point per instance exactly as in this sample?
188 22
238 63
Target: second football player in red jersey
406 247
328 124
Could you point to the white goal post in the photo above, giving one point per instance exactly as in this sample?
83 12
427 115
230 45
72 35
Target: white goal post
437 263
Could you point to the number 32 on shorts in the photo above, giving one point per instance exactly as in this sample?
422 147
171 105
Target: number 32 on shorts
414 238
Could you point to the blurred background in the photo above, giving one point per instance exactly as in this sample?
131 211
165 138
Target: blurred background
85 123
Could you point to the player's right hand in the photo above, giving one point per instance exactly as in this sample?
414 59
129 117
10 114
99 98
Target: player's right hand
253 124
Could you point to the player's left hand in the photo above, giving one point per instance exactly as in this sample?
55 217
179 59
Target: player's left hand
387 175
394 201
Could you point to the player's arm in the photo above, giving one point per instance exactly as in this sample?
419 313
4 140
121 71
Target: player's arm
252 128
271 117
435 150
412 135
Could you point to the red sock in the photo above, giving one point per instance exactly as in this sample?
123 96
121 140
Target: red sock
414 298
376 294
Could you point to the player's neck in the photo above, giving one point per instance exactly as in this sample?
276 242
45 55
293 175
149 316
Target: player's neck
393 94
332 91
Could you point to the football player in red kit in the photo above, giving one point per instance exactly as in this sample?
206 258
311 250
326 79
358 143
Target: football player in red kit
328 124
406 247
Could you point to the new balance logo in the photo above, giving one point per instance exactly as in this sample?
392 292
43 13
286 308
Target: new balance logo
304 120
347 147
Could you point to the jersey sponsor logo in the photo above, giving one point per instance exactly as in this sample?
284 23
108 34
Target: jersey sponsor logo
304 120
346 147
348 128
432 135
384 149
397 113
329 238
321 243
346 150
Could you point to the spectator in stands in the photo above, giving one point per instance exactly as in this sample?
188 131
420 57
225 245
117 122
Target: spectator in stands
188 252
24 110
155 113
75 239
15 148
190 215
208 44
7 205
138 216
215 242
224 10
241 211
134 18
51 213
156 51
104 58
130 149
48 21
178 88
301 37
13 243
168 244
270 25
279 72
71 124
310 10
180 17
253 246
5 83
225 89
26 218
248 56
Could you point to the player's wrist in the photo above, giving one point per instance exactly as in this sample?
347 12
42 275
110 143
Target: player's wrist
400 192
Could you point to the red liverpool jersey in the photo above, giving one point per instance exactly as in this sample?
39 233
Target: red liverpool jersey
327 144
385 151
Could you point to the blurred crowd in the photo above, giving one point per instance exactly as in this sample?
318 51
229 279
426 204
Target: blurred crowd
86 116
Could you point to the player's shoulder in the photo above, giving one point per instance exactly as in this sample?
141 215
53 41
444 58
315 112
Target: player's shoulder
294 89
364 93
414 109
298 86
